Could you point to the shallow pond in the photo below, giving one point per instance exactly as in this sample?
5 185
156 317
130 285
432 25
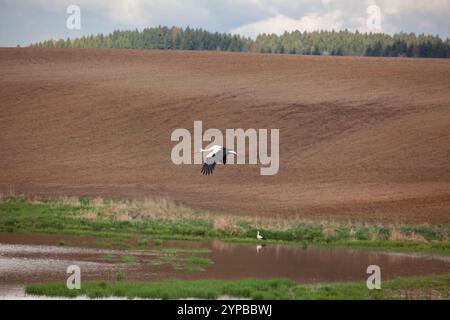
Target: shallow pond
26 259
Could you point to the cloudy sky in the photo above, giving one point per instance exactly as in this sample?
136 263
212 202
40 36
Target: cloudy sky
26 21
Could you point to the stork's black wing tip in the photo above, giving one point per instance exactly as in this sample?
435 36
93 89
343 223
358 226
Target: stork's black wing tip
208 169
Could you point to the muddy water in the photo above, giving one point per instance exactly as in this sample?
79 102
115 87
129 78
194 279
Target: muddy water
26 259
313 265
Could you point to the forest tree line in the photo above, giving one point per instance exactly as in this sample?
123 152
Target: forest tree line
336 43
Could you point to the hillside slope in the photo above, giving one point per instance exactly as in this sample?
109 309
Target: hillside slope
360 138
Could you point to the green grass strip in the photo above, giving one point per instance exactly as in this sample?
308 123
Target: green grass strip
399 288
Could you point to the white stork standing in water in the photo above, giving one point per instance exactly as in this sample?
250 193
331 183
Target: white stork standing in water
217 154
259 236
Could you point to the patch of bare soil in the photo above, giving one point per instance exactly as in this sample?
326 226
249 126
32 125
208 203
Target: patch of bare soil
361 138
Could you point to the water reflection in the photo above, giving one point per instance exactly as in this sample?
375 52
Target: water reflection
28 259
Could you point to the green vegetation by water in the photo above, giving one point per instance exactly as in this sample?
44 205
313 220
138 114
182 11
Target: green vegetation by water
120 276
143 243
431 287
181 251
85 217
187 263
128 259
108 256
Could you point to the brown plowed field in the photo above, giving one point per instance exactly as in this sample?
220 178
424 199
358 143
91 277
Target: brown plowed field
360 138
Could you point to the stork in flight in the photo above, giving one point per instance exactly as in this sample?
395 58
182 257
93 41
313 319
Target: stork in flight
217 154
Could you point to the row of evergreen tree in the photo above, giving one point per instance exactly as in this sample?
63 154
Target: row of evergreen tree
339 43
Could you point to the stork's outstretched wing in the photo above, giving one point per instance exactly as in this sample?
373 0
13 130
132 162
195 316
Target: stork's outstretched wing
208 169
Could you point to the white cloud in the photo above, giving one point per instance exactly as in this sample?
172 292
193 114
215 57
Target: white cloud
396 16
281 23
399 7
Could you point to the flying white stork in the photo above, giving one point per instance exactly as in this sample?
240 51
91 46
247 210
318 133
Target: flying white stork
217 154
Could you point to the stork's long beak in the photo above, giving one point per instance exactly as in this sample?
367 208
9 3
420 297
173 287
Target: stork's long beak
233 152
